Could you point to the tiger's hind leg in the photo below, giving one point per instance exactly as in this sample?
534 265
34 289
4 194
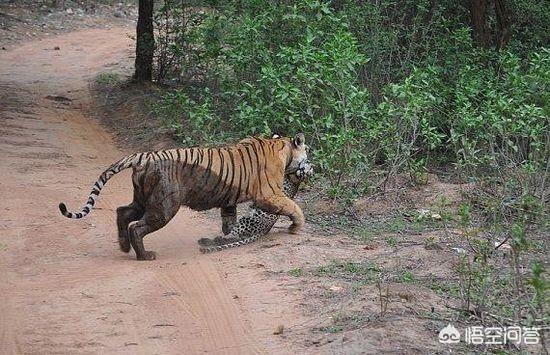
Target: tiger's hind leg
124 216
229 218
153 219
162 200
139 230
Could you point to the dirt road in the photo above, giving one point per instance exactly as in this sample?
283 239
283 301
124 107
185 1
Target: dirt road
64 285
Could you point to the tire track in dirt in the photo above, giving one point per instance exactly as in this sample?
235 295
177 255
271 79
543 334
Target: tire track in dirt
65 286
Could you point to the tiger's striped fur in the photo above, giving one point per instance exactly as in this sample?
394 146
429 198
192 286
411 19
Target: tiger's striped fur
255 223
201 178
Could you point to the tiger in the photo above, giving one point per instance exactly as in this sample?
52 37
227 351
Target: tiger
256 222
201 179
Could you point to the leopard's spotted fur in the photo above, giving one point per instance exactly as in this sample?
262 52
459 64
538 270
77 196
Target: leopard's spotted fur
256 223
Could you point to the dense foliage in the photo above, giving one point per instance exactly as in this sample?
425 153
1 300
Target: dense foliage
385 86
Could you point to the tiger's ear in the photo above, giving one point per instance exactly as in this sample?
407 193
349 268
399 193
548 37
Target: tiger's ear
275 136
299 140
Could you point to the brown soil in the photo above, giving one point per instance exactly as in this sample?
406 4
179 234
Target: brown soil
65 286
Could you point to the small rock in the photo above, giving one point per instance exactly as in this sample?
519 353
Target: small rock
117 14
459 250
56 48
436 216
69 11
279 330
335 288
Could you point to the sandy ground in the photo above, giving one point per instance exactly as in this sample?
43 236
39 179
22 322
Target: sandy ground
64 285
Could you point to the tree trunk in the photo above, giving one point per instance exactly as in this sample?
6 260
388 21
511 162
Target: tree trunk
145 42
503 24
481 32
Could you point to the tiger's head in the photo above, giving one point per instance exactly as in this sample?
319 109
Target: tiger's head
297 159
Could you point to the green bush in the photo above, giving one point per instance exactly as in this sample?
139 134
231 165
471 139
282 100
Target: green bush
375 87
489 116
266 79
190 122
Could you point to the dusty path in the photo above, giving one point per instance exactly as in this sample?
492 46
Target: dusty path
64 286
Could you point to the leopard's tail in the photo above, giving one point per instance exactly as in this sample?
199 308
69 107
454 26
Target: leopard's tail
124 163
238 243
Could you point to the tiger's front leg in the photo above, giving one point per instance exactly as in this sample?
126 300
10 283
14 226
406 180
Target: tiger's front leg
282 205
229 218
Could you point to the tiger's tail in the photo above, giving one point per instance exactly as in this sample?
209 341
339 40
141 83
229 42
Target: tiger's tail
124 163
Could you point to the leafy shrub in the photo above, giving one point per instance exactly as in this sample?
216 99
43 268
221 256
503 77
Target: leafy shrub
190 122
301 79
488 111
375 87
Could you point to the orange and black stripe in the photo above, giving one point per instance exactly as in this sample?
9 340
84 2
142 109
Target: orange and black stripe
213 177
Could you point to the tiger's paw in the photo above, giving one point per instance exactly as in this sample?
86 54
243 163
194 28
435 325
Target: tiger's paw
148 255
294 228
124 244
